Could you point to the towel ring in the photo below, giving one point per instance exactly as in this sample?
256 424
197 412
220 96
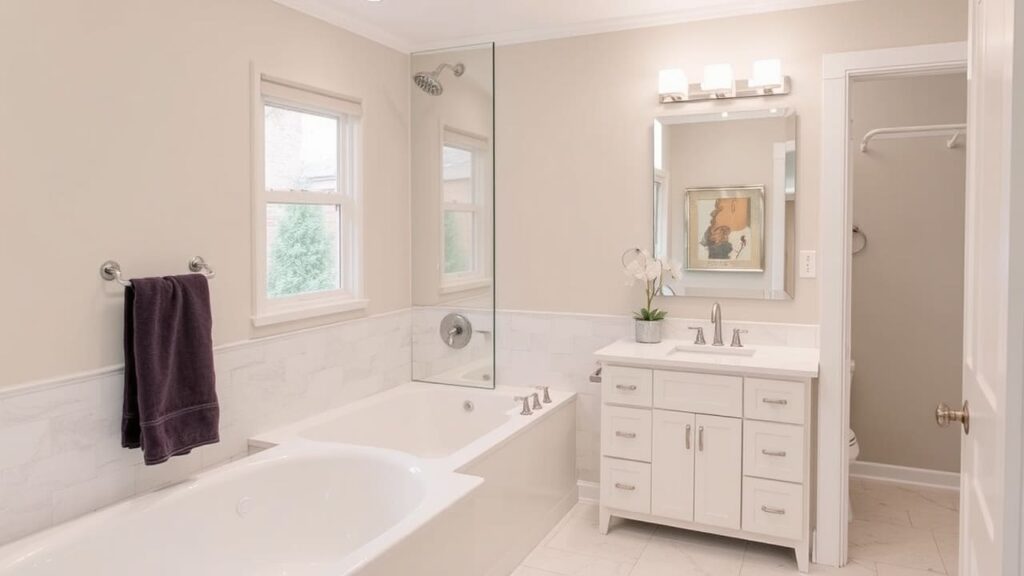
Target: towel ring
111 270
864 240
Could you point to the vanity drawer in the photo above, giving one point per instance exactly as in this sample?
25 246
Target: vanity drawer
699 393
626 485
774 451
773 508
630 386
626 432
775 400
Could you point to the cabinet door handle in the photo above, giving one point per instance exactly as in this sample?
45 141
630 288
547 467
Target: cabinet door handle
700 438
622 434
776 401
628 487
769 510
627 387
688 433
779 453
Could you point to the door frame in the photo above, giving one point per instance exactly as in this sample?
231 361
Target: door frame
838 71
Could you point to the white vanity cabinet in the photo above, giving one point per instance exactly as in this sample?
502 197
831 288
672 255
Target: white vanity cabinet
724 451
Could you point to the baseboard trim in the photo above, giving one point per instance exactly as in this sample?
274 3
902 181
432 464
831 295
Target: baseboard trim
905 475
590 492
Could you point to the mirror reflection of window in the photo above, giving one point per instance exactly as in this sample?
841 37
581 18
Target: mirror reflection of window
463 209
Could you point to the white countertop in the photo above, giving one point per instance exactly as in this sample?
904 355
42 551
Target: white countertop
778 361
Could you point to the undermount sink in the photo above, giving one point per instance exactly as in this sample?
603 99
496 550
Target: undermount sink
709 349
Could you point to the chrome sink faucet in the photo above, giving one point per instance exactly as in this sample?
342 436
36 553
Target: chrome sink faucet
716 319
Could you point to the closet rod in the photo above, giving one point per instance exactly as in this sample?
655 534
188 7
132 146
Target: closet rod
956 129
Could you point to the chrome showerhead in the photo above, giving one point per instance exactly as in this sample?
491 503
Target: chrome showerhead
429 82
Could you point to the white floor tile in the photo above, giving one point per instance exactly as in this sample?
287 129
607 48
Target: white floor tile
896 545
579 534
573 564
899 531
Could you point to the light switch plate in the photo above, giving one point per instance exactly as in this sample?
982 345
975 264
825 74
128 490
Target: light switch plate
808 264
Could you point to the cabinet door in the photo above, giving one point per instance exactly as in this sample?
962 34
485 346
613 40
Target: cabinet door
675 440
718 471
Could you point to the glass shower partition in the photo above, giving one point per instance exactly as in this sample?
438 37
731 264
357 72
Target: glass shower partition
453 216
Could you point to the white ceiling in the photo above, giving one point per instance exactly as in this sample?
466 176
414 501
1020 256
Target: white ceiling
412 25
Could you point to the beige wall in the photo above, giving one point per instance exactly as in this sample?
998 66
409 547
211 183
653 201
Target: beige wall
574 121
908 197
126 136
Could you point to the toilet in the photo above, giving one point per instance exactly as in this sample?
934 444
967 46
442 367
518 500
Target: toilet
854 450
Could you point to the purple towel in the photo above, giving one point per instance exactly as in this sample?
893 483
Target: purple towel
170 396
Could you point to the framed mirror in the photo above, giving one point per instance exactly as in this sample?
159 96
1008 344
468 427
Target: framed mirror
725 202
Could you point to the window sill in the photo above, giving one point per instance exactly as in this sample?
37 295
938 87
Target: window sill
464 285
310 311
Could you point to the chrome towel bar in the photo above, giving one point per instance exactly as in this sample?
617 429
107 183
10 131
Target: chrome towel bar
111 270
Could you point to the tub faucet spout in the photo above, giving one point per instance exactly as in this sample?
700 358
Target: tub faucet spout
526 405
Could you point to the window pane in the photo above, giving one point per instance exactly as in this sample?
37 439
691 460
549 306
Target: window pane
301 151
459 246
302 249
457 174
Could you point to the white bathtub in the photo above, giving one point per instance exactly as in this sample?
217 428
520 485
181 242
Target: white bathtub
423 479
527 464
305 509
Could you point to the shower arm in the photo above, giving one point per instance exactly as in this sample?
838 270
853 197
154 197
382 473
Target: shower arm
458 69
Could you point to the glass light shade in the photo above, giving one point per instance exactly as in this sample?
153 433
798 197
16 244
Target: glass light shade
717 77
673 81
767 74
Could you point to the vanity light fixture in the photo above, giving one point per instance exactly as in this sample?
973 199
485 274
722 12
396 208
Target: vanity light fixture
718 80
719 83
673 85
767 75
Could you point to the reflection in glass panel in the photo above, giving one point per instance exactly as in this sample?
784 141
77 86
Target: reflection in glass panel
452 102
459 242
301 151
302 249
457 175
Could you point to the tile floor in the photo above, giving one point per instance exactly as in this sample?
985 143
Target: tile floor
897 531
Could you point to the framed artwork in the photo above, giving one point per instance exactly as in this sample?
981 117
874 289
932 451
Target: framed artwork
725 229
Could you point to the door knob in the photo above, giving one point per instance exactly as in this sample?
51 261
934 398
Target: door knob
944 415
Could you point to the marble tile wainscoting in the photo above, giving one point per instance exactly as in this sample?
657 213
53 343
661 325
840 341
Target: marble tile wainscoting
557 350
60 445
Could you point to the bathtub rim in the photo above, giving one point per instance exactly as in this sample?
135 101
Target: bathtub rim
457 460
443 490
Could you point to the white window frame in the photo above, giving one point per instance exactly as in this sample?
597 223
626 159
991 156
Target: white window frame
348 199
479 147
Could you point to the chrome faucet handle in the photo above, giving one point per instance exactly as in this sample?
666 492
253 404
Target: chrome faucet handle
547 394
536 401
736 342
699 340
526 405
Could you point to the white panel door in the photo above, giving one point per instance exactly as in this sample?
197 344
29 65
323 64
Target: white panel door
718 471
675 435
990 513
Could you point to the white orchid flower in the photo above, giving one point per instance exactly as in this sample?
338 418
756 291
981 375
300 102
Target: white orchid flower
675 269
653 270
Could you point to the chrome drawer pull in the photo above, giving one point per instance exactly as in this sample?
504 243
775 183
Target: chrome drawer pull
622 434
621 486
687 436
700 438
630 387
769 510
779 453
776 401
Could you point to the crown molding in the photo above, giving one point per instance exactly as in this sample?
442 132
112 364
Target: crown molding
327 11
